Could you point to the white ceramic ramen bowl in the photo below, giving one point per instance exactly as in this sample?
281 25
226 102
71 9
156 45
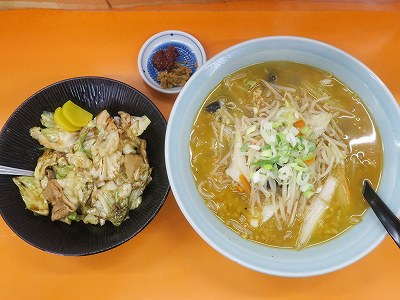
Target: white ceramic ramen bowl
341 251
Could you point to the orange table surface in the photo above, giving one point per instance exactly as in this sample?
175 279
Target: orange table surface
168 259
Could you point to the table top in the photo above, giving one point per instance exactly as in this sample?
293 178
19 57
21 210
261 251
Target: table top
168 259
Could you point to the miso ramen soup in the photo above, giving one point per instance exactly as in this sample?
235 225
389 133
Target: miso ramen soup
279 152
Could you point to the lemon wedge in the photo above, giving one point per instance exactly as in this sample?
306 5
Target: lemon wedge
76 115
62 121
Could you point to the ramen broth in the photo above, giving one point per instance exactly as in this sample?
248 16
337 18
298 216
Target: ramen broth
231 204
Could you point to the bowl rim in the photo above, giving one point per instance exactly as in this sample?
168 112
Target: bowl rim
152 39
154 213
211 66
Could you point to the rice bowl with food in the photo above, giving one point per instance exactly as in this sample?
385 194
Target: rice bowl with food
93 174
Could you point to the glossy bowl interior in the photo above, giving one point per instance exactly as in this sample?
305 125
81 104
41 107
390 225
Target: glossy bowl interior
19 150
327 257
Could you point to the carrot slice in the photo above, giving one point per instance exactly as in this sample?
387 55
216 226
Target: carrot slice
245 184
310 161
299 124
239 188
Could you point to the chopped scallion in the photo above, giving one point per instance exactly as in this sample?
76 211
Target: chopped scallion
244 148
308 194
267 167
263 162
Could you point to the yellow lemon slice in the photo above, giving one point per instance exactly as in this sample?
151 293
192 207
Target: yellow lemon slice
76 115
62 121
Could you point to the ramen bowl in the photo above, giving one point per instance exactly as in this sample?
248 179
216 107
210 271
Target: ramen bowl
332 255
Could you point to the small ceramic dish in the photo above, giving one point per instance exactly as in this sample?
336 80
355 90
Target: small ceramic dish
191 54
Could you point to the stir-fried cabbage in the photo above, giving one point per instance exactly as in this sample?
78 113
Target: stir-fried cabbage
52 136
94 175
32 194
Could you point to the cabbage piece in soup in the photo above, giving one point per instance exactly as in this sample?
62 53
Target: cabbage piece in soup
279 151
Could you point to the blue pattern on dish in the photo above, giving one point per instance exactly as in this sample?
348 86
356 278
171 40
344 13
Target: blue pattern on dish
186 58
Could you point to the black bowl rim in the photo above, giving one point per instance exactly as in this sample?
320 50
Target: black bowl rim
165 194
